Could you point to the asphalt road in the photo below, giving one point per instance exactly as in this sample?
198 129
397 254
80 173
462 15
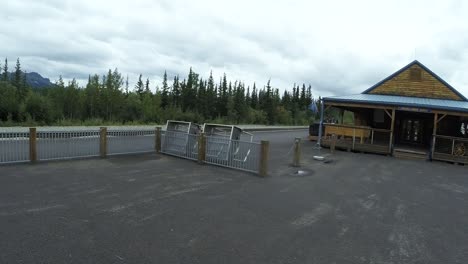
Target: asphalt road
358 208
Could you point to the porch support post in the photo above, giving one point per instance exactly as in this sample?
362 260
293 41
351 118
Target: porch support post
342 115
434 132
319 141
390 144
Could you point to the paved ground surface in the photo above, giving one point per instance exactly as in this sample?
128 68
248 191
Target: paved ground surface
359 208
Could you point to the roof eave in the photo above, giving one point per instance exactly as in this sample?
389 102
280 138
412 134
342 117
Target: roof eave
354 101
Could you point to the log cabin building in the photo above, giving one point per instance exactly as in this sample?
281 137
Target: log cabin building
412 113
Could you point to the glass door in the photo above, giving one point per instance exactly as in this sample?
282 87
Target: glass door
412 131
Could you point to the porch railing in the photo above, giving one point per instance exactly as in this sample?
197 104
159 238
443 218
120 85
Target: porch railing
452 149
358 138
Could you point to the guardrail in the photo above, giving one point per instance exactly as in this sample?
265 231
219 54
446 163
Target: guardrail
451 149
358 138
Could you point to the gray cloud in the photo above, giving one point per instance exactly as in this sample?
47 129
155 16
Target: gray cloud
340 47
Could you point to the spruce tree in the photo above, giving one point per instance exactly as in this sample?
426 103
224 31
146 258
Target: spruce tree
126 86
302 99
176 92
211 97
254 98
5 77
165 92
147 86
139 87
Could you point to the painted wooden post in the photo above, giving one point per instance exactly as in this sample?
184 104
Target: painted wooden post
434 133
297 152
32 144
322 109
390 144
264 149
103 142
354 137
157 143
201 148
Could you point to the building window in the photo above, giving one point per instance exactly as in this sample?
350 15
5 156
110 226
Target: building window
415 75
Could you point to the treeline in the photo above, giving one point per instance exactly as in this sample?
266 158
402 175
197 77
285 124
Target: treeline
109 99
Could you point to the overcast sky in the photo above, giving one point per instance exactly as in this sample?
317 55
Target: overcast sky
340 47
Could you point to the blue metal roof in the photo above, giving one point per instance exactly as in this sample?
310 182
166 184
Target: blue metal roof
404 101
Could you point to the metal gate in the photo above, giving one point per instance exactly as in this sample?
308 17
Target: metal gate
223 145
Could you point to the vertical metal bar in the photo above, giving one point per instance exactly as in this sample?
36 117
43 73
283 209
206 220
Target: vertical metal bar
372 137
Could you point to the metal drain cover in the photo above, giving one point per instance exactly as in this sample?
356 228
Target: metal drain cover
301 173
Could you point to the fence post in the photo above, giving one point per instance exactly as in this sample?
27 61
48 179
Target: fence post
264 149
157 143
297 152
333 143
201 148
103 142
32 144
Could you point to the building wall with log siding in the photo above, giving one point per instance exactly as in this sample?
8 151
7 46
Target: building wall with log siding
415 82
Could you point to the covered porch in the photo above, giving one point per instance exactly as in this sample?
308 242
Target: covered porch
423 128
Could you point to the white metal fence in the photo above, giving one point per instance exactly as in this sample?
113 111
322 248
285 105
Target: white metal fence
47 144
220 151
14 146
72 142
55 145
130 141
180 144
241 155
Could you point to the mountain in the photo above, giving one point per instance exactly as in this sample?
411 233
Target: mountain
35 80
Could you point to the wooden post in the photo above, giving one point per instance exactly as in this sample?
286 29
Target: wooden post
157 143
333 143
297 152
32 144
434 133
390 144
354 137
103 142
201 148
264 149
342 115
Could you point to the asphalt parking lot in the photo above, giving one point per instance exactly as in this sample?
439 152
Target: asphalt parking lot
358 208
